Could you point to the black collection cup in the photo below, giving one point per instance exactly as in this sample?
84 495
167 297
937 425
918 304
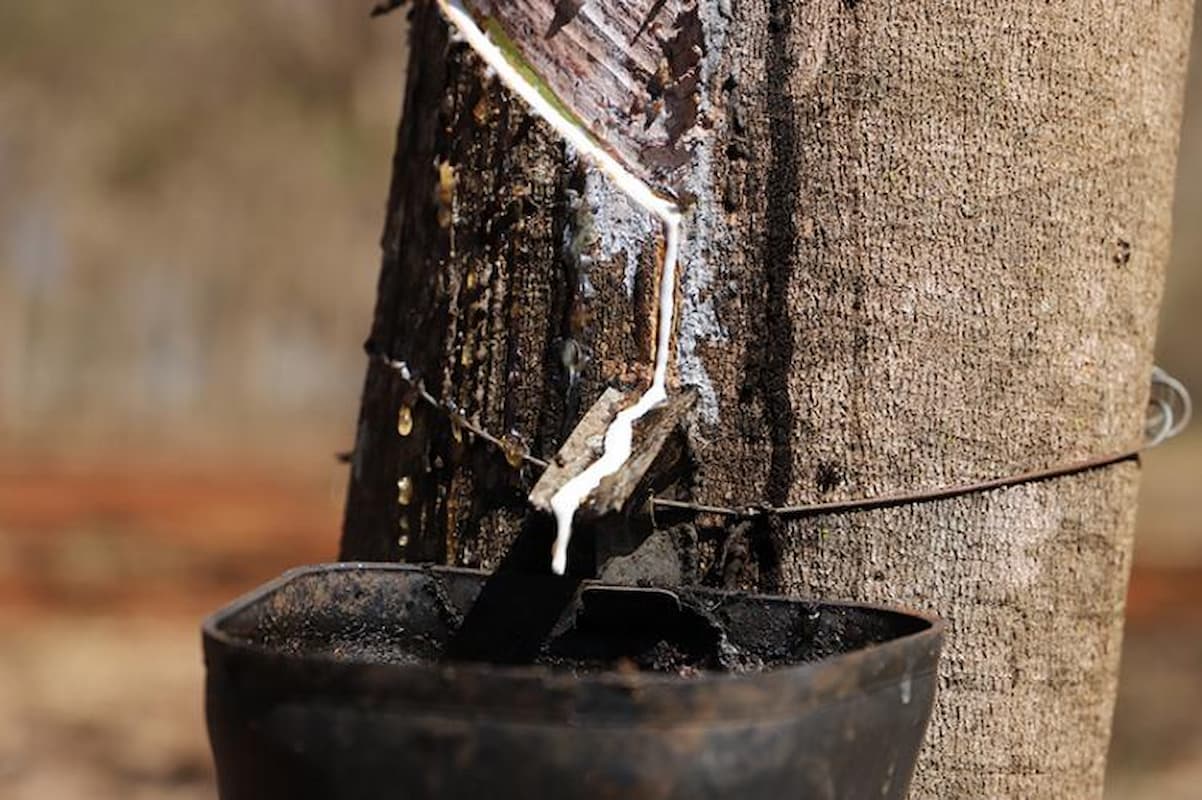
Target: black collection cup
329 683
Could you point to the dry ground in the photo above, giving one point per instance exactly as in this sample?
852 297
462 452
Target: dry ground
104 577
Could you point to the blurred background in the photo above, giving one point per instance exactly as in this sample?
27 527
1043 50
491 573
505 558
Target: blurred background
190 200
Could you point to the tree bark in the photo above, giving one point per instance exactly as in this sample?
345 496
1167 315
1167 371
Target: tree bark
925 246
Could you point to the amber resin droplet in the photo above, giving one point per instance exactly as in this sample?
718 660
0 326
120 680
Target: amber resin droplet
404 420
403 539
404 491
514 449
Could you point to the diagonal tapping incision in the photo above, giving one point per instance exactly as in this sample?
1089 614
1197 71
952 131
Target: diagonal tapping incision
542 101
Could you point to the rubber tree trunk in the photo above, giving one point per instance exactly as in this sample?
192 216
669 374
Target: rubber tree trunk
925 247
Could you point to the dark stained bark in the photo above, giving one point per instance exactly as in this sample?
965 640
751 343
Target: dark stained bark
925 247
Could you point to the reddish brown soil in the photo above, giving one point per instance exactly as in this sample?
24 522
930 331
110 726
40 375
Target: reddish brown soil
155 542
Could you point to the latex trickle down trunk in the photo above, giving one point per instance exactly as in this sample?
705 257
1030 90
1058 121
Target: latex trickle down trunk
542 102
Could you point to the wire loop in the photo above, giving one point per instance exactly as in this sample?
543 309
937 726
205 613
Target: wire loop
1169 411
1169 407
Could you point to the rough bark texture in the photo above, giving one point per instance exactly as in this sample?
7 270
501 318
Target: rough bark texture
926 247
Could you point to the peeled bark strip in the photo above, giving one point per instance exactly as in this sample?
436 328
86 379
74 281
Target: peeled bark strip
649 458
926 246
626 69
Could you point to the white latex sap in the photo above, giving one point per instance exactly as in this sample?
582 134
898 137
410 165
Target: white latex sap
619 437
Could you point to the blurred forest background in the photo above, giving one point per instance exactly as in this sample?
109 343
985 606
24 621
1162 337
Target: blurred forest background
190 200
